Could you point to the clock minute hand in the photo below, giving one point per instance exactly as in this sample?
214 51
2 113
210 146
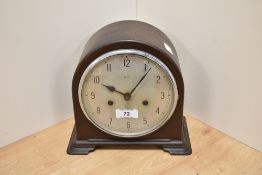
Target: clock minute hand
139 82
112 89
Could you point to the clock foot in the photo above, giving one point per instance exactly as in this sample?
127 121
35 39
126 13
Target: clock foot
185 149
74 149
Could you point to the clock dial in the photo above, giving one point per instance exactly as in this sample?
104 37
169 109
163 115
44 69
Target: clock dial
128 93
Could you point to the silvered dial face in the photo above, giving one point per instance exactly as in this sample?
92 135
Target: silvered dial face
127 93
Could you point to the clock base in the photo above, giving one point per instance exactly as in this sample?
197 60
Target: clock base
174 147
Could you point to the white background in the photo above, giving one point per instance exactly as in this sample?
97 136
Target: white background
219 44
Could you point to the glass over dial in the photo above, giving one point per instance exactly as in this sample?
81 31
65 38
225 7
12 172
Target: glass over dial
128 93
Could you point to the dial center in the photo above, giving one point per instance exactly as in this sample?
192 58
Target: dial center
127 96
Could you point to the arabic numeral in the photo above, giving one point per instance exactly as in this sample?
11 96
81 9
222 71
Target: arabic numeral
162 95
126 63
144 121
98 110
158 79
108 67
110 121
96 79
93 96
157 110
128 124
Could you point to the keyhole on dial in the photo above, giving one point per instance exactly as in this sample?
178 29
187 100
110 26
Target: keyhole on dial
145 102
110 102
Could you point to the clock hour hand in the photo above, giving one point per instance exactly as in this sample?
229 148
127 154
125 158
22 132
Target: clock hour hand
112 89
139 82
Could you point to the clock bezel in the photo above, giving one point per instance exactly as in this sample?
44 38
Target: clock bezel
153 58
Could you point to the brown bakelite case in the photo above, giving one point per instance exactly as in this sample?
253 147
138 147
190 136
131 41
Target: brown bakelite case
173 136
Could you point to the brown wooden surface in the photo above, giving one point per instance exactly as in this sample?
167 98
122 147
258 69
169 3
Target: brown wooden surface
213 153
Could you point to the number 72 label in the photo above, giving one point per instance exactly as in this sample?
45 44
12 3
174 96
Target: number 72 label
126 113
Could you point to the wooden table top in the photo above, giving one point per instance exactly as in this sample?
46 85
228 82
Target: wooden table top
213 153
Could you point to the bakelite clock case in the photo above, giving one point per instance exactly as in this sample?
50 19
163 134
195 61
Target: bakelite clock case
173 136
